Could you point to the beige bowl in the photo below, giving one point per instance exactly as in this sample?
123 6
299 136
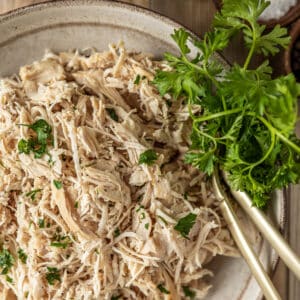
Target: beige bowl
63 25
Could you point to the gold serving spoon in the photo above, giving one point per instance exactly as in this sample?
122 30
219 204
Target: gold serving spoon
265 226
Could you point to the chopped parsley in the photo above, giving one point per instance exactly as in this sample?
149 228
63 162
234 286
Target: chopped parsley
112 113
188 292
57 184
6 261
63 245
117 232
41 223
147 226
143 216
140 207
38 144
163 289
22 256
52 275
76 204
33 193
9 279
148 157
137 79
60 241
185 224
115 297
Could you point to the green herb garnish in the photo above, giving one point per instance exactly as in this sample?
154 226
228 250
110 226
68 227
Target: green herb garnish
112 113
248 117
32 194
140 207
22 256
115 297
38 144
148 157
6 261
188 292
41 223
147 226
76 204
63 245
117 232
185 224
163 289
60 241
137 79
9 279
52 275
57 184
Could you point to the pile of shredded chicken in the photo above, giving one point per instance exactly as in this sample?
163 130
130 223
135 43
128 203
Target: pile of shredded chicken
117 215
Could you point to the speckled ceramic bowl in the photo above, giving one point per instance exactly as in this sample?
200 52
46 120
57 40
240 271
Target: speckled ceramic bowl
63 25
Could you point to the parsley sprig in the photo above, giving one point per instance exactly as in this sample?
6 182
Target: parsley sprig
247 118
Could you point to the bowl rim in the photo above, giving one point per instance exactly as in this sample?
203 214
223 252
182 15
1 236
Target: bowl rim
175 24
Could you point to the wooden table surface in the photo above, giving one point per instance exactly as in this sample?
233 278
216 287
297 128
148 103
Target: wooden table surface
197 15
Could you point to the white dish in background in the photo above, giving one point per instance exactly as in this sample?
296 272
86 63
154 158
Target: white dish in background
64 25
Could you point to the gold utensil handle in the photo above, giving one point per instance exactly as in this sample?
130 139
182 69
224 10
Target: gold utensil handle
269 231
246 250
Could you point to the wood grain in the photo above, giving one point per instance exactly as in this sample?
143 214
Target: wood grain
197 15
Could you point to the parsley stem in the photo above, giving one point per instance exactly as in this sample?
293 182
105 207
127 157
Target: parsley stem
207 136
287 141
202 69
273 140
250 54
218 115
279 134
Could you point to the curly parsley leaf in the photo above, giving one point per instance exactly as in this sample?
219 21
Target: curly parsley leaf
203 161
148 157
181 38
6 261
248 118
185 224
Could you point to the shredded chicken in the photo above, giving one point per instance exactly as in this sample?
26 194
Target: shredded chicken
116 217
